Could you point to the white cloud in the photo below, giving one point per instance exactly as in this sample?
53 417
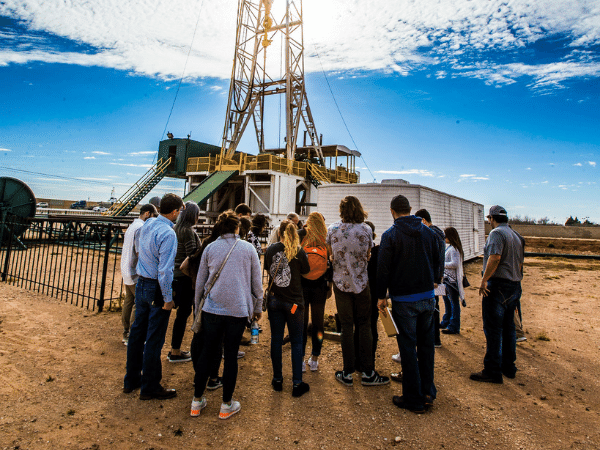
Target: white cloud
472 177
89 157
447 37
141 153
421 172
578 164
216 88
145 166
529 168
94 179
101 153
592 163
5 150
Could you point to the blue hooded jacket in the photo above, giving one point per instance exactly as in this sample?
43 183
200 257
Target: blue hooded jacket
408 263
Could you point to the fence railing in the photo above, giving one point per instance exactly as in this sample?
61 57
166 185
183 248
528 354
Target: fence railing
74 259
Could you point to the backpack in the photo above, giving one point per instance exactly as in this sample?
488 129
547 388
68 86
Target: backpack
317 260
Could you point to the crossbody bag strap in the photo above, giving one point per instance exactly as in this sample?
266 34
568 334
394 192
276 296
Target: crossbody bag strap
216 276
273 278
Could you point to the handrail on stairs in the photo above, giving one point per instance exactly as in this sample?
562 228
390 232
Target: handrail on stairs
155 171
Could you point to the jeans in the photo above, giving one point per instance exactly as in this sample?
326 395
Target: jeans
183 296
498 308
216 330
128 313
436 320
355 309
315 296
451 319
416 341
144 367
280 314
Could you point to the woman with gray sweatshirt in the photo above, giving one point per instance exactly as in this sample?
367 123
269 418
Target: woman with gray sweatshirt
235 297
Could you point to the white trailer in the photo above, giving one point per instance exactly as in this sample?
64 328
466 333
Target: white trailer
446 210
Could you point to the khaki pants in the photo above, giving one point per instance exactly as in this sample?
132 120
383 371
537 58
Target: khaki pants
519 323
128 313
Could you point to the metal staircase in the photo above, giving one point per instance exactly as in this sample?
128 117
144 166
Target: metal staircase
315 175
139 190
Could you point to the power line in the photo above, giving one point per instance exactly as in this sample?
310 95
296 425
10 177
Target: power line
60 177
340 112
183 73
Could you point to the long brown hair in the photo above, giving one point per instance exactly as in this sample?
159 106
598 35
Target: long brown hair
351 211
288 236
316 231
454 239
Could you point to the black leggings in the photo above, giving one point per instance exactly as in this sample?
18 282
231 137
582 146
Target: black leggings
183 296
315 297
217 329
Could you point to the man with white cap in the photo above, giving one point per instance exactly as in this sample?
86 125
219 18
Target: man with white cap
501 292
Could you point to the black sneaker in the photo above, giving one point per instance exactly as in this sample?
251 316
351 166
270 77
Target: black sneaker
345 379
481 376
182 357
277 385
214 384
300 389
400 403
374 379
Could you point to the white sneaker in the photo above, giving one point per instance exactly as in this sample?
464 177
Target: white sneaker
521 339
396 357
314 365
229 410
241 354
197 406
303 366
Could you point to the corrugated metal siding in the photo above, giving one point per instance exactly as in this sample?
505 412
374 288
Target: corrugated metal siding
446 210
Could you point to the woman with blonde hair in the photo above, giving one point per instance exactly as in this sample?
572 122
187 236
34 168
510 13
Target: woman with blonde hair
286 262
314 285
453 280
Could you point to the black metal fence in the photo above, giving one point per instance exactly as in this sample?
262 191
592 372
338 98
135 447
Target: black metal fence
75 259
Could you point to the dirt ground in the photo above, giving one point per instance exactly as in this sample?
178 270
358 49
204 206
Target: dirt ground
62 367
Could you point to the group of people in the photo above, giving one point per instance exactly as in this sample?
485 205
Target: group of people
220 279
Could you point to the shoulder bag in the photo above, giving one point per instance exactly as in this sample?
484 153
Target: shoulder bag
197 325
268 291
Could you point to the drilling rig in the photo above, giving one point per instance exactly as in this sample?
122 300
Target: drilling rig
274 181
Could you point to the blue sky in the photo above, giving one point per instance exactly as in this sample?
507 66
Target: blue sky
493 101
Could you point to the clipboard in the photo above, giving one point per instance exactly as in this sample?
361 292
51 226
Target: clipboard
388 323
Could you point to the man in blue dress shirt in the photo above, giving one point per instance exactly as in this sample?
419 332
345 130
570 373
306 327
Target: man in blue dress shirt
156 244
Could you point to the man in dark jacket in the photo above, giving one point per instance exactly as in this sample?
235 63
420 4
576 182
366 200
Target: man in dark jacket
408 266
441 238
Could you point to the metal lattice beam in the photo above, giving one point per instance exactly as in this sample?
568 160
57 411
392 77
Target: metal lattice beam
251 82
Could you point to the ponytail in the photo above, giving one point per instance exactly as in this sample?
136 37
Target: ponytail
288 236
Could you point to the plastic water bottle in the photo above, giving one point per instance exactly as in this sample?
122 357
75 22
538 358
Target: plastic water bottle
254 332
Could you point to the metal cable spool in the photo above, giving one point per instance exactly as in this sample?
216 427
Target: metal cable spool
17 204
